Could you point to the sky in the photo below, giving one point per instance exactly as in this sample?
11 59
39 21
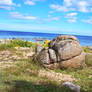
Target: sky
47 16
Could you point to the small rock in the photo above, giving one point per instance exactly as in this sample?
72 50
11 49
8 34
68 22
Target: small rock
71 86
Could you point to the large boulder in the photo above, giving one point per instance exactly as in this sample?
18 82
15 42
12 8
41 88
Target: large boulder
64 51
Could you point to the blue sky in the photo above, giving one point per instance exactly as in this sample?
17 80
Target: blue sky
48 16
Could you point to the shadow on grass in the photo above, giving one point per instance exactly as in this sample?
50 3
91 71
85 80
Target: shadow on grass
24 86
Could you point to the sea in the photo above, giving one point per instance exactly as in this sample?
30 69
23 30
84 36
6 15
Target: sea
34 36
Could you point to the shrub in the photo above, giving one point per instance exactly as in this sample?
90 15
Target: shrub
17 43
6 46
20 43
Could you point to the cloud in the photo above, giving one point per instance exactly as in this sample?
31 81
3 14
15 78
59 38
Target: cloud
71 14
52 18
32 2
83 6
72 20
5 7
71 17
89 21
58 7
8 4
28 2
73 5
17 15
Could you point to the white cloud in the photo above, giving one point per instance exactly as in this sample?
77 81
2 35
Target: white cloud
32 2
58 7
28 2
72 20
73 5
17 15
67 2
7 4
71 17
5 7
89 21
83 6
53 19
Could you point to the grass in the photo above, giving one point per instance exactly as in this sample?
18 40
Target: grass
20 43
18 78
88 56
89 60
16 43
87 49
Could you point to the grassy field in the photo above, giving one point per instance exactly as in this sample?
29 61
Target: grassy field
23 76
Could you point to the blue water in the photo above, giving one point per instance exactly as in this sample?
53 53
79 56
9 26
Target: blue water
84 40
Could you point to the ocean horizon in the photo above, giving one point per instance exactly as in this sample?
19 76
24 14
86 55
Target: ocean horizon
31 36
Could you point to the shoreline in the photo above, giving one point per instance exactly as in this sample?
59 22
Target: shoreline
34 40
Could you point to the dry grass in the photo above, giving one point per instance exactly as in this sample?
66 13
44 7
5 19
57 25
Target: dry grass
26 76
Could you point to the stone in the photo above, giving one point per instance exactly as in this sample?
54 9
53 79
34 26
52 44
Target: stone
52 55
52 66
71 86
38 48
67 49
44 57
63 52
62 37
75 62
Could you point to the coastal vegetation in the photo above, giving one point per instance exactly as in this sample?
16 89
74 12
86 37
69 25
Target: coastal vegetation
23 75
16 43
20 43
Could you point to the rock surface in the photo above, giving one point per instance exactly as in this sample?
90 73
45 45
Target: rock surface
63 52
52 55
38 48
71 86
44 57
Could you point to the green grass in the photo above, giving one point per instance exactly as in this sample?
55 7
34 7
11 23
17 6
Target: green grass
89 60
18 78
87 49
6 46
21 43
17 43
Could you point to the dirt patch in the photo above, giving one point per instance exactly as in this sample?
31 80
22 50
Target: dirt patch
53 76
